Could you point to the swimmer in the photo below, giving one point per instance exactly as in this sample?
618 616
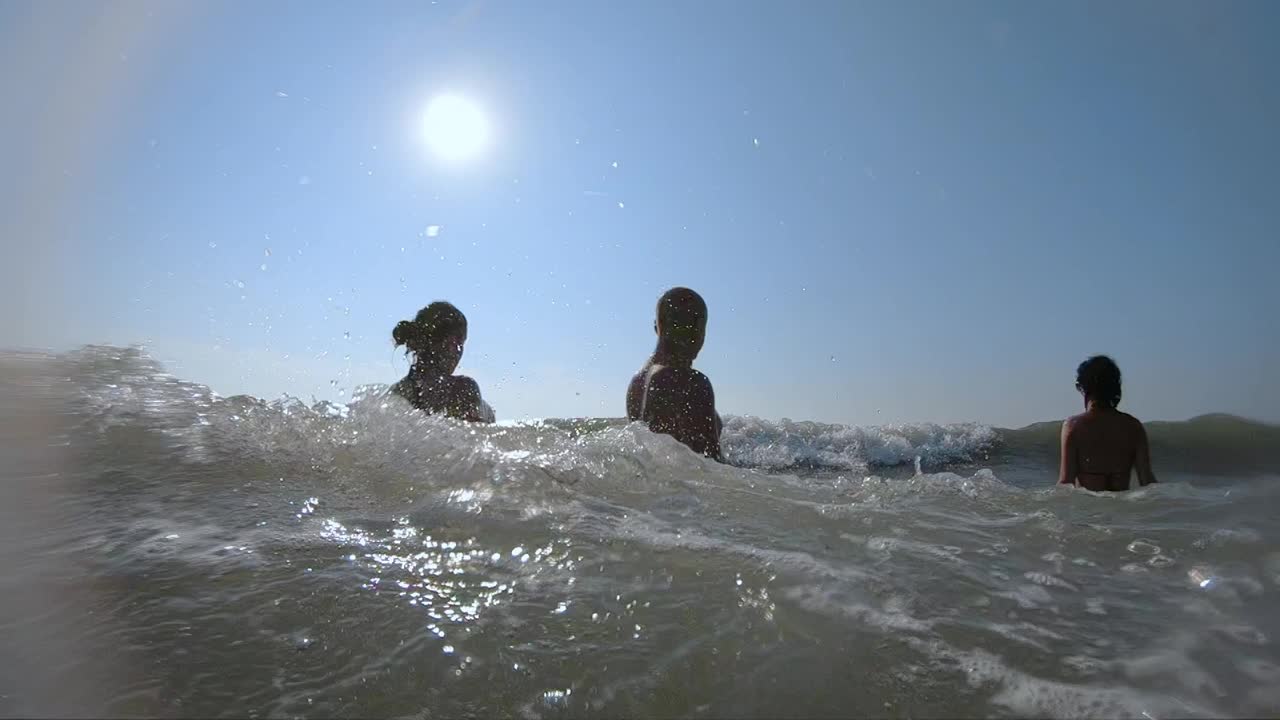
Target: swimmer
1101 446
435 337
668 394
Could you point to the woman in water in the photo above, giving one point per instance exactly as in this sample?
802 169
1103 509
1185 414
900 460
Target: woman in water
435 337
1101 446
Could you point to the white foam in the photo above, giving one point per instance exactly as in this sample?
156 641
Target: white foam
754 442
1026 695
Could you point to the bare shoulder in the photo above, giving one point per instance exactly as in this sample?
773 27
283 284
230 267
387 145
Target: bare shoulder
1135 425
638 380
1073 423
665 377
641 379
466 386
404 388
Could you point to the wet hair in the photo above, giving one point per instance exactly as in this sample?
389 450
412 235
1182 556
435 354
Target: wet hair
1099 379
681 306
433 322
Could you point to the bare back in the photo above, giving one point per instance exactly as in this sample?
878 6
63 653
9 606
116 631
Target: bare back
1101 448
677 401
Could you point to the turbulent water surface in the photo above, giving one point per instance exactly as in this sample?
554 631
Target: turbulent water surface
171 552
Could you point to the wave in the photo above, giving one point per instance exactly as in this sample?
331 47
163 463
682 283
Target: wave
113 386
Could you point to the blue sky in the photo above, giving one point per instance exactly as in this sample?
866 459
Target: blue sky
896 211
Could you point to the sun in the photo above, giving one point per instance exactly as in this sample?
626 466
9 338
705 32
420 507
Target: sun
456 128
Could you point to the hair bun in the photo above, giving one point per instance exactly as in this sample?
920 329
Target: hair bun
434 322
404 333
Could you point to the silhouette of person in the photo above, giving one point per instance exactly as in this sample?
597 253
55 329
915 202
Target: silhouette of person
1101 446
668 394
436 338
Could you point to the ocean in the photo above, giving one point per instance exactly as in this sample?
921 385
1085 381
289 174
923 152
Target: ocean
171 552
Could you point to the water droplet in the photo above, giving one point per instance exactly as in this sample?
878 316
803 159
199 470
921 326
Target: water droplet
267 252
615 163
346 335
240 284
621 205
281 94
755 141
262 267
433 231
517 551
212 245
447 649
833 358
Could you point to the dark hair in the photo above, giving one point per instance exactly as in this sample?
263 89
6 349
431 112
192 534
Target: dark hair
433 322
1099 379
681 306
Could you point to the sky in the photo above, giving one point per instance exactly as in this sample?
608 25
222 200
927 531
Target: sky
897 211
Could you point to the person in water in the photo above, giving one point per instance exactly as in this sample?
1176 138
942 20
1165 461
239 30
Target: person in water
1101 446
668 394
436 337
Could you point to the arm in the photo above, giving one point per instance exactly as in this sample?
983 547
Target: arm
1068 466
466 403
1142 456
682 403
635 397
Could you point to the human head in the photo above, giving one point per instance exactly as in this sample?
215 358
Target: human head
681 323
1098 379
436 335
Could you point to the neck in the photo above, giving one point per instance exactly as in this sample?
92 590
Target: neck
423 368
664 356
1090 404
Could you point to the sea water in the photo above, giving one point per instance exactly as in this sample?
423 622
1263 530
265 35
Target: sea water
171 552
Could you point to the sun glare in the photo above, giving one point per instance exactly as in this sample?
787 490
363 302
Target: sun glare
455 128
